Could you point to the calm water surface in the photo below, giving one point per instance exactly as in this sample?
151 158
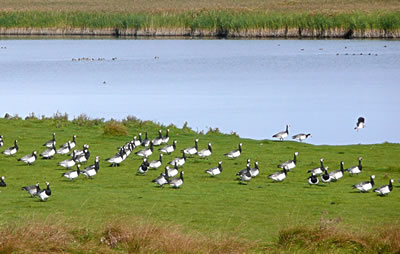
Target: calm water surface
253 87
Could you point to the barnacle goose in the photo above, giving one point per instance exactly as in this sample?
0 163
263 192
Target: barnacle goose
71 175
337 174
49 153
313 179
2 182
165 138
365 186
176 182
205 152
117 158
79 152
360 123
29 159
179 161
235 153
171 172
12 150
246 175
82 158
68 163
136 142
302 136
1 141
255 171
70 144
51 142
283 134
158 141
318 171
245 169
146 152
145 141
45 193
325 177
156 163
192 150
385 189
161 180
278 176
290 164
144 167
65 149
355 169
168 149
216 170
92 169
31 189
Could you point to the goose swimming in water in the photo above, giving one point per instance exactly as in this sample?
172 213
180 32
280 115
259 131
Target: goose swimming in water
313 179
179 161
360 123
31 189
355 169
51 142
71 175
168 149
158 141
29 159
156 163
92 169
12 150
337 174
216 170
205 152
165 138
192 150
290 164
176 182
365 186
385 189
49 153
279 176
2 182
283 134
318 171
45 193
235 153
300 137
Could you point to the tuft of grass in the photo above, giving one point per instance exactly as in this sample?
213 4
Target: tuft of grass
114 128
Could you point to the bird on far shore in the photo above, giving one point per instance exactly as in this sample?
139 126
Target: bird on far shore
360 123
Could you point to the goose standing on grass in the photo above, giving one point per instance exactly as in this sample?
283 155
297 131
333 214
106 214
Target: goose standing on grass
117 158
29 159
45 193
144 167
70 144
136 142
385 189
51 142
93 169
168 149
156 163
79 152
12 150
171 172
165 138
318 171
355 169
216 170
146 152
255 171
313 179
283 134
337 174
205 152
71 175
65 149
360 123
290 164
161 180
158 141
1 141
245 176
325 177
83 157
2 182
49 153
245 169
68 163
179 161
192 150
235 153
31 189
365 186
300 137
279 176
176 182
145 141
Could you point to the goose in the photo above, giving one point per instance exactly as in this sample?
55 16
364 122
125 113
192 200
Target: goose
235 153
2 182
318 171
140 139
205 152
136 142
179 161
117 158
146 152
246 175
128 147
52 141
158 141
283 134
176 182
255 171
360 123
92 169
279 176
49 153
29 159
65 149
356 169
169 148
71 175
157 163
337 174
192 150
70 144
313 179
12 150
290 164
165 138
161 180
245 169
83 157
171 172
145 141
144 167
215 171
1 141
79 152
68 163
31 189
385 189
365 186
300 137
45 193
325 177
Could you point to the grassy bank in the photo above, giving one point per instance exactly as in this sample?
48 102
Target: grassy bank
277 216
208 22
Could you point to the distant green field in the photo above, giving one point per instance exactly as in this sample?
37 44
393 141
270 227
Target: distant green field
206 205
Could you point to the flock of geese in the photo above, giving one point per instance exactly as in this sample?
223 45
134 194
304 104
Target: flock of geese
171 171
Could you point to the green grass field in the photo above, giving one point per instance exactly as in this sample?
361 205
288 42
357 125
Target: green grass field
205 205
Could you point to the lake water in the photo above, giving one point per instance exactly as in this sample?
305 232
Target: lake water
252 87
